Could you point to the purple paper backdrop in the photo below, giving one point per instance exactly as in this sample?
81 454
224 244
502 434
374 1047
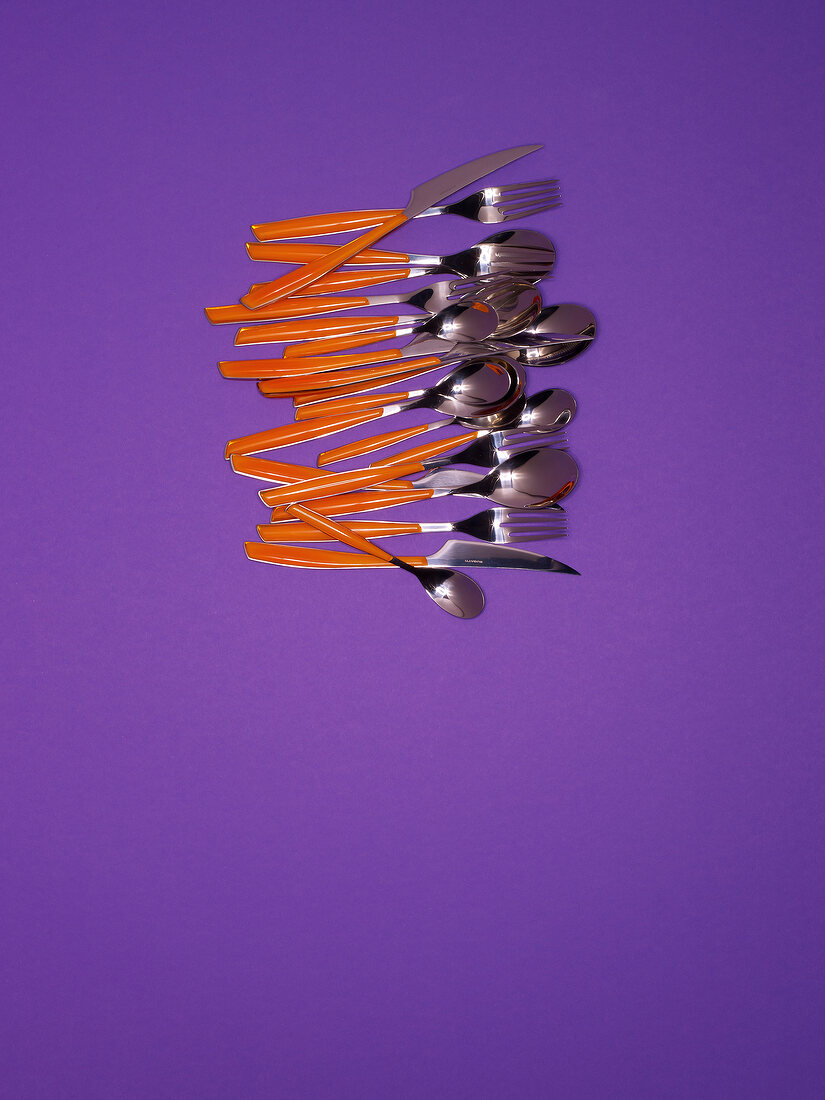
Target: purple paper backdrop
269 833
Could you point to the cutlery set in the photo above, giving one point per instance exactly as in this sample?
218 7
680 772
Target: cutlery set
484 325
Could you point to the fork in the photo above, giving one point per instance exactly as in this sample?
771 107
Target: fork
498 525
491 206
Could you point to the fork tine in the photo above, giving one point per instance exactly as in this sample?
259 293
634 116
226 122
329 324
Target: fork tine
516 515
530 213
534 538
528 202
531 186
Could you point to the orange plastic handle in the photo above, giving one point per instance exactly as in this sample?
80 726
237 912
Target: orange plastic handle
365 446
289 307
330 484
289 434
321 224
339 343
338 281
309 558
276 368
310 273
315 401
265 469
304 532
302 253
349 405
317 382
367 501
339 531
429 450
312 330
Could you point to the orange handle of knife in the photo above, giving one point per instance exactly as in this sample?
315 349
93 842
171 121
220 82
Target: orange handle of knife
374 443
321 224
310 273
289 434
304 532
340 343
287 473
429 450
311 558
313 330
348 406
330 484
289 307
367 501
339 531
302 253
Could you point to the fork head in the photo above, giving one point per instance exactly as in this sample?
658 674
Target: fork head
519 200
529 525
517 440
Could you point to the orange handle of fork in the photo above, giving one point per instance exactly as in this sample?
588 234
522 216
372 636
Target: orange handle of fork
310 273
321 224
339 531
302 253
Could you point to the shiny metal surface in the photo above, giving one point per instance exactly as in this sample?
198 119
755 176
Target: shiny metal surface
469 554
519 253
495 448
478 388
453 592
432 191
494 205
530 479
558 334
502 526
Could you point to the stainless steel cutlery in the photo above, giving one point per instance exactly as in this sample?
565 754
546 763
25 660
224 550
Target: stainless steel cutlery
487 324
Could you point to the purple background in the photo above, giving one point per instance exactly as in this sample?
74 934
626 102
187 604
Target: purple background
270 833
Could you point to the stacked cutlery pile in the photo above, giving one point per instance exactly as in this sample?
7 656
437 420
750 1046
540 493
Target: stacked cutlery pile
481 329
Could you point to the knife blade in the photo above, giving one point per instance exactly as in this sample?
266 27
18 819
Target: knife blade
422 197
454 553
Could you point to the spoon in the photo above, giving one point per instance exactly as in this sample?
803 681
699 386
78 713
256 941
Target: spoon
546 411
473 380
558 334
478 388
529 479
473 321
453 592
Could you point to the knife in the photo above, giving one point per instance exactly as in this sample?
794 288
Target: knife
423 196
455 553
